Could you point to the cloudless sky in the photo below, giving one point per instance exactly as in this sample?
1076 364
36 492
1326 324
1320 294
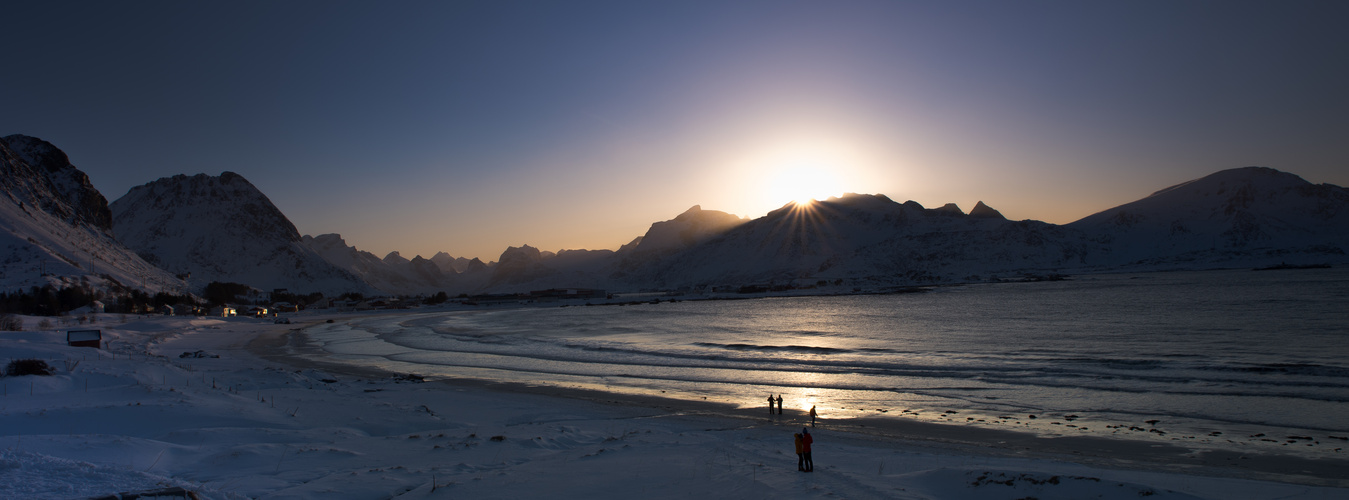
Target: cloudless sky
468 126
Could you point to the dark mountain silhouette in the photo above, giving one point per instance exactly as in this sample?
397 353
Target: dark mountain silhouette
222 228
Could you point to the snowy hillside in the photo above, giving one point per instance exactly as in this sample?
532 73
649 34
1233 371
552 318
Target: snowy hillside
868 239
1242 217
693 226
527 268
223 229
55 227
1248 217
448 263
392 274
399 275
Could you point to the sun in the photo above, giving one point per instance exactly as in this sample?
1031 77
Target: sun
801 182
794 169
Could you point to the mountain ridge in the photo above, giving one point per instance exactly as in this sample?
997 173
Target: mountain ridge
222 228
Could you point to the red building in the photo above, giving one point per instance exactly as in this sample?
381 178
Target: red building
85 338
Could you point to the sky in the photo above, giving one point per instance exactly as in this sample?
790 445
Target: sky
467 127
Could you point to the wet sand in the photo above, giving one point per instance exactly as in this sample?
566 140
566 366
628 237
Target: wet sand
291 348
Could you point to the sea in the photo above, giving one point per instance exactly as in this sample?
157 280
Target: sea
1230 358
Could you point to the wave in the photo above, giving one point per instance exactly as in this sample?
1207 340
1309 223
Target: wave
1101 374
775 348
1307 369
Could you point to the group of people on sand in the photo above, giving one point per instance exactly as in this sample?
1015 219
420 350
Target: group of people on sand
778 401
804 463
770 404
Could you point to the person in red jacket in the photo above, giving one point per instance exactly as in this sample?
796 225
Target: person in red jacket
805 449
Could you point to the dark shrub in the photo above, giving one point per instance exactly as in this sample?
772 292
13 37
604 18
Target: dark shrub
10 323
28 367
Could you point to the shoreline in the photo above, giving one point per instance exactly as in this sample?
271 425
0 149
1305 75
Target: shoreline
1122 454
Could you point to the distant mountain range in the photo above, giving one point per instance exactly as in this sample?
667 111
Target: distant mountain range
222 228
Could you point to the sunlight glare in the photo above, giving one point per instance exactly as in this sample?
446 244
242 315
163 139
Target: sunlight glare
794 168
803 181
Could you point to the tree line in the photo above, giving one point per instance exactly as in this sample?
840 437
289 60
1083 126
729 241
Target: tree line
47 300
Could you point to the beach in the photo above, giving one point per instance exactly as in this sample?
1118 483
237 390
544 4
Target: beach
270 419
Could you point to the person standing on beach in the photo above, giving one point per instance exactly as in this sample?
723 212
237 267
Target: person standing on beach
809 463
770 404
812 417
779 404
800 459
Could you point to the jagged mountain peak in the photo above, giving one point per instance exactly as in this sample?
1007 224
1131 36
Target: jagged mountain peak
395 258
950 208
326 239
985 211
449 263
222 228
686 229
520 253
246 206
56 185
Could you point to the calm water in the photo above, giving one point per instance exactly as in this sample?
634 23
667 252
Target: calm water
1239 352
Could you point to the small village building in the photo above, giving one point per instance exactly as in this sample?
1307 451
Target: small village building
258 312
184 310
224 311
85 338
166 310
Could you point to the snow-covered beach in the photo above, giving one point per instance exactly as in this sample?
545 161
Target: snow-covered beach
262 422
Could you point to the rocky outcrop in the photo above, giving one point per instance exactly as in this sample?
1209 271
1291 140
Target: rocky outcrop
44 177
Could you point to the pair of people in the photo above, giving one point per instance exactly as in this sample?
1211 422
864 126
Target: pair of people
804 463
770 404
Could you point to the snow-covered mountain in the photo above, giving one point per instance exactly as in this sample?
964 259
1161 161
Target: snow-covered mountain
451 264
55 228
396 274
527 268
222 228
1240 217
867 239
1247 217
424 273
370 268
690 228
